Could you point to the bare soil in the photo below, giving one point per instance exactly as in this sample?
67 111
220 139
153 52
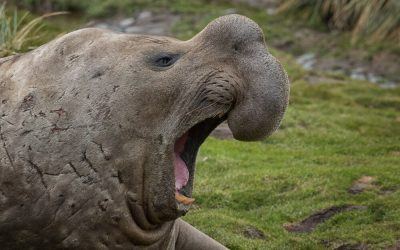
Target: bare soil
310 223
254 233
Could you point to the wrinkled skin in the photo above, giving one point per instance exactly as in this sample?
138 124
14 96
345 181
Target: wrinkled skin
88 124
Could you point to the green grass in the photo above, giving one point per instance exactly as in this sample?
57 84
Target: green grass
330 137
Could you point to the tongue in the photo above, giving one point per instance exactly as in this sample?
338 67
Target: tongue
181 170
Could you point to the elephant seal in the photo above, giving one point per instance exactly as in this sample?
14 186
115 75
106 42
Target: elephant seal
99 132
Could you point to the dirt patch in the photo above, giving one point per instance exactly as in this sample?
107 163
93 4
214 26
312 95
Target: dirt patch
343 246
310 223
396 246
317 78
388 190
222 132
395 153
352 247
254 233
386 63
360 185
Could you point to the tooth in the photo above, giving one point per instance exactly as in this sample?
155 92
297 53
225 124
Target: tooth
183 199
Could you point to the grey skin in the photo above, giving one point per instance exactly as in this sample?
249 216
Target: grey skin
88 124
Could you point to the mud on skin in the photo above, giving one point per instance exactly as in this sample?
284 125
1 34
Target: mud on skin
99 132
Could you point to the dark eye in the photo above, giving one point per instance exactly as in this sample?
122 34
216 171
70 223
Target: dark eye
165 60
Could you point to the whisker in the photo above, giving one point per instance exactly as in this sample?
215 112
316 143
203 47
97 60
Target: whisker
201 108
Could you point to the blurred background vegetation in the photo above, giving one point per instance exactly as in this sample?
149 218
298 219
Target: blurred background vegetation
368 22
338 145
377 20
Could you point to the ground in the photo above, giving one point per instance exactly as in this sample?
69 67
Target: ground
336 155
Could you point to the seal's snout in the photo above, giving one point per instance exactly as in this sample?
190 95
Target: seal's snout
265 100
264 86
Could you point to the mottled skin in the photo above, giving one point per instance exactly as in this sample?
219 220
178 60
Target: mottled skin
88 124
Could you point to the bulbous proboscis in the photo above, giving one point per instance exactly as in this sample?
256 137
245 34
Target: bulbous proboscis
265 86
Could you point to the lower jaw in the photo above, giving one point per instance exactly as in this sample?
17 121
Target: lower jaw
160 212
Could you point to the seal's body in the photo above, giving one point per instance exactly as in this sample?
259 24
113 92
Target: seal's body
99 132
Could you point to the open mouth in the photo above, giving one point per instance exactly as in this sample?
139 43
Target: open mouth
185 152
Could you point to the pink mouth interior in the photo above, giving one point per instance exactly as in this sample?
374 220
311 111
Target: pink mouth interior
181 170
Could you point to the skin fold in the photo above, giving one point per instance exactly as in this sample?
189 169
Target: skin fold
88 124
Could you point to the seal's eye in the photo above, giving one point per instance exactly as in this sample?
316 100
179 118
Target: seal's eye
165 60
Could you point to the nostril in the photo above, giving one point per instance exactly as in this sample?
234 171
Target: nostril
236 47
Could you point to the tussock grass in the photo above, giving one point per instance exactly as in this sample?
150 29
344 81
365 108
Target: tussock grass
18 32
377 20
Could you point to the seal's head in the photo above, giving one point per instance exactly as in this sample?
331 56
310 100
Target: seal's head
186 89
